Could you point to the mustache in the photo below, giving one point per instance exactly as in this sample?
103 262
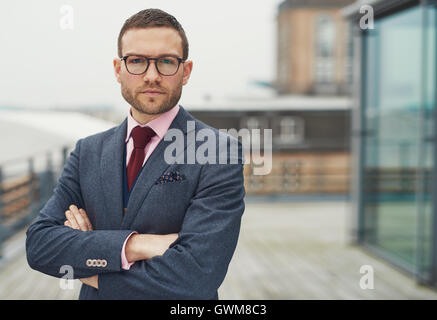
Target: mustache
151 88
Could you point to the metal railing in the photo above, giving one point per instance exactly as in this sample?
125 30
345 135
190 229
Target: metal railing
309 173
25 187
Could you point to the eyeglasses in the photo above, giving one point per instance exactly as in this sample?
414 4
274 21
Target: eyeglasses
166 66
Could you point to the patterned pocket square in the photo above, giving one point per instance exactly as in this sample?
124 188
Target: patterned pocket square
171 176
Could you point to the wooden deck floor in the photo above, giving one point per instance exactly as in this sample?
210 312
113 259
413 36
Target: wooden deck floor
286 251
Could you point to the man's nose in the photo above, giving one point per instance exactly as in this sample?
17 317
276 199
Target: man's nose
152 73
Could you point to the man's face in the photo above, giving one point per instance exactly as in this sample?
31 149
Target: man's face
152 42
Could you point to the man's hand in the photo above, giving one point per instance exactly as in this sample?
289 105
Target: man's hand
92 281
77 219
147 246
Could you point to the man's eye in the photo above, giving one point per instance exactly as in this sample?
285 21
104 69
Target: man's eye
137 60
167 61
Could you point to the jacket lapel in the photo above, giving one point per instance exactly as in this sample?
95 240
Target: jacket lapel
154 167
111 166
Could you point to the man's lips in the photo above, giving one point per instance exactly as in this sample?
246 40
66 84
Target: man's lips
152 92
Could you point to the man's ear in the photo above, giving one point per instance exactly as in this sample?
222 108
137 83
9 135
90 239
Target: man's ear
188 67
117 66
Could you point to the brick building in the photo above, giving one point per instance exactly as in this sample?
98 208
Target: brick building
313 48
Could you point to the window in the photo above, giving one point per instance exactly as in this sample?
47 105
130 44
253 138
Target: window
291 130
255 125
325 44
252 123
397 161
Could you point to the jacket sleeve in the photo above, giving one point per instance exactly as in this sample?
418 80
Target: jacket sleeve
51 245
195 265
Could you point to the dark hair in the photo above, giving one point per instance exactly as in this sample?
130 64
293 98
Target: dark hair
153 18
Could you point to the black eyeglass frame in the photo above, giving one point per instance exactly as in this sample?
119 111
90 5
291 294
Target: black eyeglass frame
180 60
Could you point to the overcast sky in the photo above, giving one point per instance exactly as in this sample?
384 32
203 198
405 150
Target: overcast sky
232 42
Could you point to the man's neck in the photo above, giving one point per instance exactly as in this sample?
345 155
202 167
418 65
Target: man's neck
143 118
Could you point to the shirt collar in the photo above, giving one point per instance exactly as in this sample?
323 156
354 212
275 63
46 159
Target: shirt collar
160 124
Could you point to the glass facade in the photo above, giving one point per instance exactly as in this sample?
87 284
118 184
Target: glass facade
399 71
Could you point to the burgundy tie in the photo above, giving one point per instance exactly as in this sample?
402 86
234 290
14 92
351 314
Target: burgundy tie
141 136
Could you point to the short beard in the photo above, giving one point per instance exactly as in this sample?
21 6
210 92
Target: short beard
142 107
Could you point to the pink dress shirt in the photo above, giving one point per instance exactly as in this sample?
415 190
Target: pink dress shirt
160 125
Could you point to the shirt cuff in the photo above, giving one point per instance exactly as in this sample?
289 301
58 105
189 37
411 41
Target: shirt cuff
124 263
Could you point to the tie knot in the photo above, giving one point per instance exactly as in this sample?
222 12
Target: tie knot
142 136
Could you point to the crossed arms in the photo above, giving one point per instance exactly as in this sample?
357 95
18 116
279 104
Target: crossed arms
193 266
138 246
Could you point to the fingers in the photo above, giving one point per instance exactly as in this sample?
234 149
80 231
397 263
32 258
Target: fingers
85 217
71 220
173 237
77 219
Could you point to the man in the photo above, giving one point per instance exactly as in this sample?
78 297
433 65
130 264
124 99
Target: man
130 224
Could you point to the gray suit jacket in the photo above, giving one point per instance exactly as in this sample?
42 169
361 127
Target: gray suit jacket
205 209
